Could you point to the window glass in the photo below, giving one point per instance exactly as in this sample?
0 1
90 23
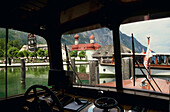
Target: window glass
33 50
93 54
152 42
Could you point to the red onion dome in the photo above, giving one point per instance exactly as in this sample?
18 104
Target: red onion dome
91 37
76 36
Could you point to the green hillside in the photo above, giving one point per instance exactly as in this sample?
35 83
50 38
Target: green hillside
102 36
17 37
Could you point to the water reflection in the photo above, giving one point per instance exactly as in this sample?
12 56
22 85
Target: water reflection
34 75
23 86
104 76
39 75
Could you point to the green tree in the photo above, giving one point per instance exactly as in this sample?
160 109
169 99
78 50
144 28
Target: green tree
2 43
1 53
40 53
12 52
82 54
46 53
73 53
26 53
82 68
16 43
33 54
5 53
20 54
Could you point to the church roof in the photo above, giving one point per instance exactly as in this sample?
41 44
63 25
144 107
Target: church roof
90 46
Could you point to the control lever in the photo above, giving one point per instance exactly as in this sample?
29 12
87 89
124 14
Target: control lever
77 101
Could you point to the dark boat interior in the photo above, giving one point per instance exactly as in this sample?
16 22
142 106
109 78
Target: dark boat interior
52 18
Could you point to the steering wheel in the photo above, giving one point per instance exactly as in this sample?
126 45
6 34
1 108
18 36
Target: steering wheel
38 105
105 103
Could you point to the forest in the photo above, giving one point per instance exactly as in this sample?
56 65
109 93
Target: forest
16 39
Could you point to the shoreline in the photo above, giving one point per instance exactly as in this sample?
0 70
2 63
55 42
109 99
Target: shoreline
37 64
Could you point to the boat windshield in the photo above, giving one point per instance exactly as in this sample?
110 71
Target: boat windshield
22 49
152 54
91 56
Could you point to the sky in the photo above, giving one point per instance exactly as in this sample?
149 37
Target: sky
158 30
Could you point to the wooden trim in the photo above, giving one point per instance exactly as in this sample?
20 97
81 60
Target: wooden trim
126 91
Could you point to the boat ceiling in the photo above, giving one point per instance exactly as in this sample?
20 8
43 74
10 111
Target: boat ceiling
70 16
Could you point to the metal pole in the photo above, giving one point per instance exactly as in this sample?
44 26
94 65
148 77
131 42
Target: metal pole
149 61
74 68
145 76
6 89
75 74
133 50
22 71
67 58
152 78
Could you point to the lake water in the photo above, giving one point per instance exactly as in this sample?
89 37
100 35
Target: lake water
39 75
34 75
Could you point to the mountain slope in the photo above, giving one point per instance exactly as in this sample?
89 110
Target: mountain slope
103 37
18 35
127 41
